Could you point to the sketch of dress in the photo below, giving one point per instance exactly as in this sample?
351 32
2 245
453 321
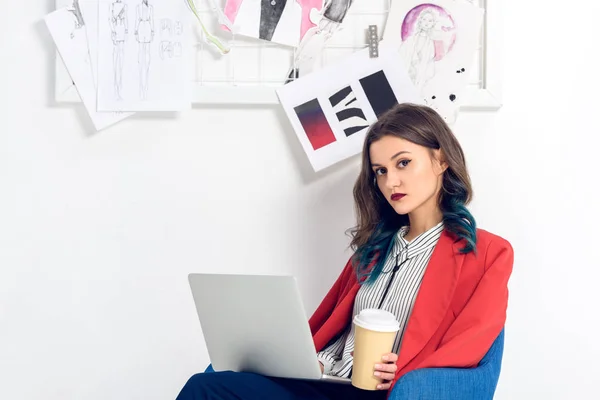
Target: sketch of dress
119 29
144 33
330 17
421 50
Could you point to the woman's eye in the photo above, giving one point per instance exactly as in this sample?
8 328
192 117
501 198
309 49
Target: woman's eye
403 163
380 171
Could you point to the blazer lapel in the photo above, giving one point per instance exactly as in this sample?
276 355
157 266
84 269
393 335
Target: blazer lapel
434 297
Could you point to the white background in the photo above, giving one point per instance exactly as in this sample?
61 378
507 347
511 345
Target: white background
98 231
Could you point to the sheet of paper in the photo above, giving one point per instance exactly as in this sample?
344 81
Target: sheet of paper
280 21
331 109
326 23
87 11
277 21
144 55
437 41
70 36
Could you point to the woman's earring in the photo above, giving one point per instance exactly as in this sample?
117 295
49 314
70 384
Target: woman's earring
375 181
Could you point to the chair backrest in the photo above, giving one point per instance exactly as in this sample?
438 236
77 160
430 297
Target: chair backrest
492 361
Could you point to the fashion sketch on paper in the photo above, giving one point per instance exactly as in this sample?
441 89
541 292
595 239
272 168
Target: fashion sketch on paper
431 38
144 33
166 27
76 11
331 17
119 29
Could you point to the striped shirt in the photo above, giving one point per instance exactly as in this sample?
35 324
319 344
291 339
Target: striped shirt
394 290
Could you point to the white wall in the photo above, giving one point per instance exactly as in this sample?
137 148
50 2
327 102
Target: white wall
98 231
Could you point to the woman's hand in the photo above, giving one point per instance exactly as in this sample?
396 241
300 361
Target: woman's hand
386 370
321 366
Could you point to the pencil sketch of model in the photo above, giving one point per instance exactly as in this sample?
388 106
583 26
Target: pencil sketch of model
119 29
420 50
144 33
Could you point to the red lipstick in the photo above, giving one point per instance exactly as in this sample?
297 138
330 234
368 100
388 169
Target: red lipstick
397 196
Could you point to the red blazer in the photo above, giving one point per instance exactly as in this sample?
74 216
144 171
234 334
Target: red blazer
459 311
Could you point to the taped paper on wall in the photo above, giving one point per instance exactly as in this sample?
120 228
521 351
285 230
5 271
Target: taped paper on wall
133 74
70 36
331 109
437 41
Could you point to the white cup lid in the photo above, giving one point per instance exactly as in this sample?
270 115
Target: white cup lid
377 320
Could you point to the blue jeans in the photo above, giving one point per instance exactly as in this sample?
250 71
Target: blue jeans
248 386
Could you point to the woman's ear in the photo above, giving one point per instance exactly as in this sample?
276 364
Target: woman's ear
439 162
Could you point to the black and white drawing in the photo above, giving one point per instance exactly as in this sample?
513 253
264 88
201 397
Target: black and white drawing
142 65
166 27
169 49
177 50
119 29
178 27
165 49
74 52
144 33
170 46
348 111
76 11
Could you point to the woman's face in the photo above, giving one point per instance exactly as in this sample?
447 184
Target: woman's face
426 21
407 174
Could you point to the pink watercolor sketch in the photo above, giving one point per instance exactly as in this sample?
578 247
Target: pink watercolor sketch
428 34
283 21
326 23
231 9
307 7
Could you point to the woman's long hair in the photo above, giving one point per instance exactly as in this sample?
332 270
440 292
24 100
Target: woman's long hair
377 221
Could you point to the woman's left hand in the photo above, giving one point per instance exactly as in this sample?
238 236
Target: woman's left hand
386 370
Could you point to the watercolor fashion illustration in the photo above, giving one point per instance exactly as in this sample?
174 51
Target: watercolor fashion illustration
428 34
328 21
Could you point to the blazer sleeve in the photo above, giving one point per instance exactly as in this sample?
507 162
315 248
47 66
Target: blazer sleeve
479 323
328 303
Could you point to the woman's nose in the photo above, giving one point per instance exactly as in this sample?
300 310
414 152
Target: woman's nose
393 180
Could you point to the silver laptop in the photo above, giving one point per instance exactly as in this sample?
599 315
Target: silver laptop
256 323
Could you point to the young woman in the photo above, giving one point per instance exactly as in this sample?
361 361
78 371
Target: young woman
417 254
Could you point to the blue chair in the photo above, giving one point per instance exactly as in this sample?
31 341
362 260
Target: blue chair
477 383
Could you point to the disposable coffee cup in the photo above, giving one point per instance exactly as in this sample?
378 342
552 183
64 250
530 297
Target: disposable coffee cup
374 334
